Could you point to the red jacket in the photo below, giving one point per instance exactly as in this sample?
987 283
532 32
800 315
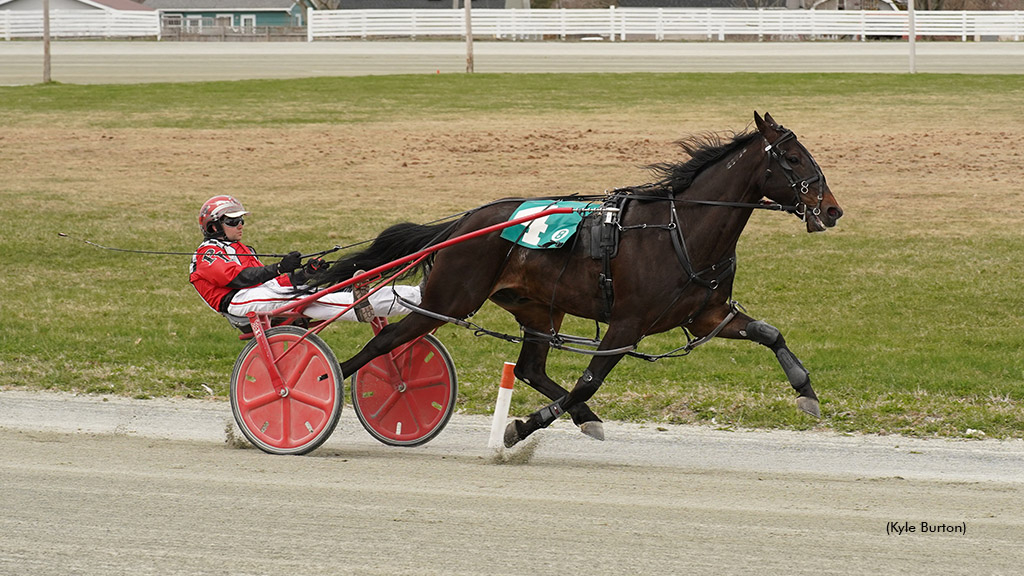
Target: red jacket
216 267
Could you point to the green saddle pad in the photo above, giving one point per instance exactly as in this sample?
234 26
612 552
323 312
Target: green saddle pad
551 231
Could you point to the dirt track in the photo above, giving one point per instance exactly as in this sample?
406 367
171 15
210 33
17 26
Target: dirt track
96 487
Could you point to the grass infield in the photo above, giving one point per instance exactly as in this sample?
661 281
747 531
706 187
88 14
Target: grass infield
908 314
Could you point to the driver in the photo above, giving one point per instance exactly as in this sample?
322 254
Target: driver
232 280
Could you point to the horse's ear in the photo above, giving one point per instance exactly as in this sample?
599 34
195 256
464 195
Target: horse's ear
765 126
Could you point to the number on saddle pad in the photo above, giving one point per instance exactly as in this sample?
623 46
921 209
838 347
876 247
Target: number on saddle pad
551 231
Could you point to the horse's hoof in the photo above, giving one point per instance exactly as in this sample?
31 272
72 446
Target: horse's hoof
594 429
809 405
511 435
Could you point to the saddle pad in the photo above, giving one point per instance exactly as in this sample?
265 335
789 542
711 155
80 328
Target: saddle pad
551 231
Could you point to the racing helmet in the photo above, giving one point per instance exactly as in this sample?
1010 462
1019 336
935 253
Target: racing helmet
216 208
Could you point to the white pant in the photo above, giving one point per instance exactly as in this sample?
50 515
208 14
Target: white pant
271 295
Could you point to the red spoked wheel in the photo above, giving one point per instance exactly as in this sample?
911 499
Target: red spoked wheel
405 398
303 418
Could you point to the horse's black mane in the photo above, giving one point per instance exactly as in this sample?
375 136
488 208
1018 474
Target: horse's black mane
704 150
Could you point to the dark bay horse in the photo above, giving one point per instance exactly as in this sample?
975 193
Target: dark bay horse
674 267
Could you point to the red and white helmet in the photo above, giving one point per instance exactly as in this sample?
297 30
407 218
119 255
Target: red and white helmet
218 207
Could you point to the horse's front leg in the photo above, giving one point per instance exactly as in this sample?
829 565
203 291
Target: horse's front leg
585 387
799 378
745 327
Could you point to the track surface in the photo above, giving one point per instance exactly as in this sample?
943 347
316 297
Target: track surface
129 62
97 486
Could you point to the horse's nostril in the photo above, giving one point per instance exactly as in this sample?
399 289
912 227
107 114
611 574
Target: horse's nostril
835 213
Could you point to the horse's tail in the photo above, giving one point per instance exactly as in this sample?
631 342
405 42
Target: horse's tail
393 243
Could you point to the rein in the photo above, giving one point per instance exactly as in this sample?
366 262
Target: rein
193 253
764 204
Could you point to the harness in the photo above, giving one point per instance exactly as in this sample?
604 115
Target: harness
605 233
710 278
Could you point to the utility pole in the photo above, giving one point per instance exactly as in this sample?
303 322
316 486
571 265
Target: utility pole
46 41
912 36
469 37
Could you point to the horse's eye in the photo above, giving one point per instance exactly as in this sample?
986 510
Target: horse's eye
793 159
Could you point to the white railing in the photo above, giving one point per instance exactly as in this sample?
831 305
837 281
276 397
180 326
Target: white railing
662 23
79 24
613 24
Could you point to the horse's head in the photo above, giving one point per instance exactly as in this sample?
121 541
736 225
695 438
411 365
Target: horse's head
794 178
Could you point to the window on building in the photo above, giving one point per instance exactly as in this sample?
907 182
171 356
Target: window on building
224 21
172 21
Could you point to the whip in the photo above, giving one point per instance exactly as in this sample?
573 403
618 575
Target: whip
167 253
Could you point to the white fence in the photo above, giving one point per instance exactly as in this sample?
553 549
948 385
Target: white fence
613 24
662 23
79 24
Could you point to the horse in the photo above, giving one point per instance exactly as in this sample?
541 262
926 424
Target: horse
672 265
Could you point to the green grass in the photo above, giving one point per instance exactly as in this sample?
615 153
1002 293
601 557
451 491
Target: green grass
912 329
385 98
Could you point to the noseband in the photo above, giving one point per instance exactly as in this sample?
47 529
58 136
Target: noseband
801 187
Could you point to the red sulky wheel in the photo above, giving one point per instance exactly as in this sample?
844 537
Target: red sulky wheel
302 420
405 398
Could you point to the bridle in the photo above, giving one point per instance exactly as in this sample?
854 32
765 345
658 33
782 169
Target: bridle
800 187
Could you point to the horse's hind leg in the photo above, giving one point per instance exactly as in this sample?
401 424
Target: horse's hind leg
584 389
392 336
446 278
531 367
